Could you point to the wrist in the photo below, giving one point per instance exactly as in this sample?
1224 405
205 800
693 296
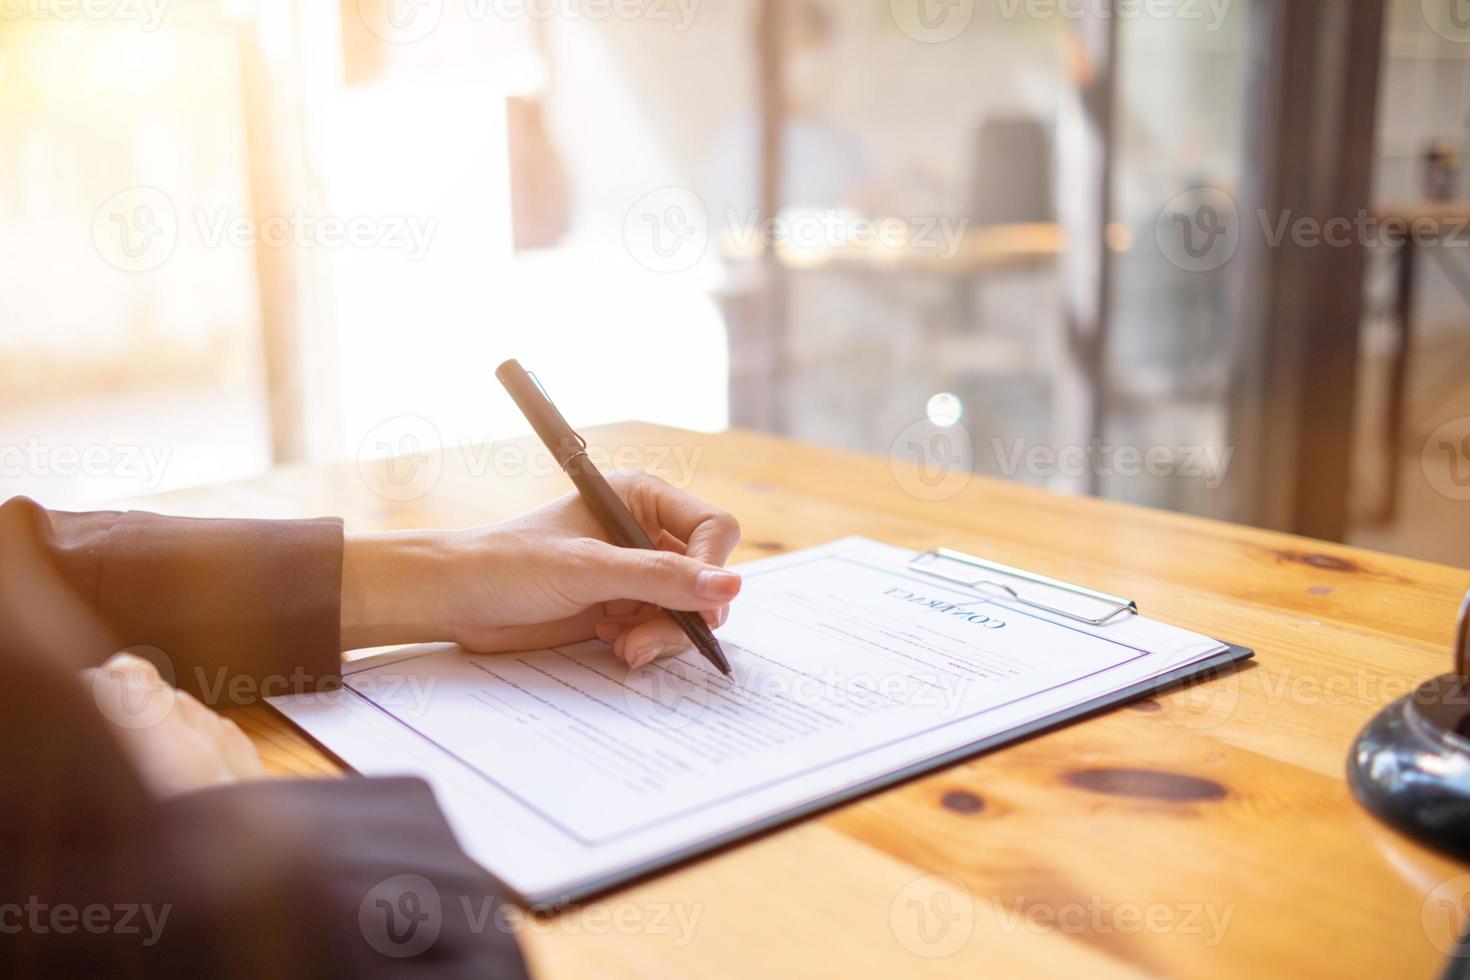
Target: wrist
393 588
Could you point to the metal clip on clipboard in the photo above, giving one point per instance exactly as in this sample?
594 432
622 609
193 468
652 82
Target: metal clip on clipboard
925 562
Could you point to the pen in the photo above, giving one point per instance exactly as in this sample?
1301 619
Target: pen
570 452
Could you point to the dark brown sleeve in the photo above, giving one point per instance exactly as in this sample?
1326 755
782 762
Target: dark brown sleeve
288 878
237 609
279 878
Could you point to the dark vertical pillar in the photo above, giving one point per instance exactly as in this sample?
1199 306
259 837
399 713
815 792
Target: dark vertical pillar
1312 95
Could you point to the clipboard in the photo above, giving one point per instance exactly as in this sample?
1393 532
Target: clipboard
979 575
1042 598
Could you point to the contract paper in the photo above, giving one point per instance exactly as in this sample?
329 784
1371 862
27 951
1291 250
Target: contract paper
562 771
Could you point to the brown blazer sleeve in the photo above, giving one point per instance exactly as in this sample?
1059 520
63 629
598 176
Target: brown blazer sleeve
278 878
231 610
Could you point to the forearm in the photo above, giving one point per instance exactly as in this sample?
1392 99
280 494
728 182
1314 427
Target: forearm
393 588
215 599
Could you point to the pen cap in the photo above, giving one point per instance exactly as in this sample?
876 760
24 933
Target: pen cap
538 409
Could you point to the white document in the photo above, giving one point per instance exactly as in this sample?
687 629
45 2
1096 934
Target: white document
562 771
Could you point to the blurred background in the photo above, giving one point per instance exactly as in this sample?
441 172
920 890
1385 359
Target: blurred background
1198 254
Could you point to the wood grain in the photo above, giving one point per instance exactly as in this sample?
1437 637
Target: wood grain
1205 832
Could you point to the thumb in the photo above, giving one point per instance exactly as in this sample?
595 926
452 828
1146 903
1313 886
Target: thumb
607 572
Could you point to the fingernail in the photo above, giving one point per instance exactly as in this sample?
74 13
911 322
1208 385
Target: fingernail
717 584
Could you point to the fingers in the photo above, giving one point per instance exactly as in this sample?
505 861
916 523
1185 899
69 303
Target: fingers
600 572
711 533
642 641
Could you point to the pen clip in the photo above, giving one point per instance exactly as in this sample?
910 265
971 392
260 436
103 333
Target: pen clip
545 394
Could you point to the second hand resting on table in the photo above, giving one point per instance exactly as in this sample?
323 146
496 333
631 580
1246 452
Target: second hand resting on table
544 579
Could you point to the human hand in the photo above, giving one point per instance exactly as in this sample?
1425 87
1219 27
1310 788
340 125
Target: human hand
546 578
177 744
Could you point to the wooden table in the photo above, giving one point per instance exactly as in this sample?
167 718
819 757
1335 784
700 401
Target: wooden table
1205 832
